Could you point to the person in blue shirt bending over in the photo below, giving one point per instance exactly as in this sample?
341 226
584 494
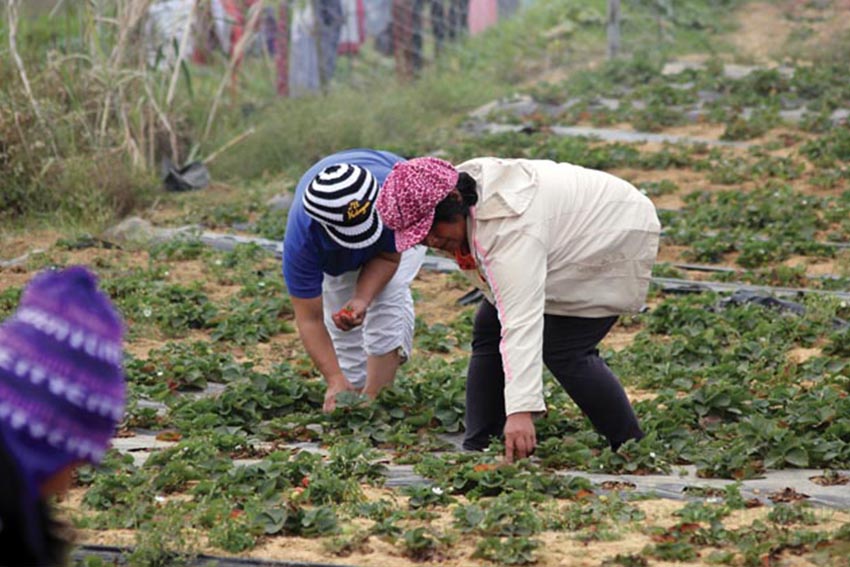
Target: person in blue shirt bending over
350 288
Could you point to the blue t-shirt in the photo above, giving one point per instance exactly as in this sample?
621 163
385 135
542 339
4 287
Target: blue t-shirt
308 251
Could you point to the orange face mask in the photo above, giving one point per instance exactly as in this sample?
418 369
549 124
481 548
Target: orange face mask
465 261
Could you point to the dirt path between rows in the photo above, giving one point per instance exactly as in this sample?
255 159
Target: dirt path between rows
769 32
763 33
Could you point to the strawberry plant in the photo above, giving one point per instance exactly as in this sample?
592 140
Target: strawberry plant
727 460
595 513
562 452
765 225
507 515
292 519
165 539
482 477
700 512
833 147
224 216
388 528
507 550
431 396
271 225
357 460
249 402
624 560
788 514
761 121
672 551
112 483
184 366
253 321
232 532
180 249
426 496
347 543
633 457
423 544
436 338
191 459
657 116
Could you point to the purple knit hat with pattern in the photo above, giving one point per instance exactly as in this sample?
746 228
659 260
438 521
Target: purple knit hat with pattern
62 389
409 197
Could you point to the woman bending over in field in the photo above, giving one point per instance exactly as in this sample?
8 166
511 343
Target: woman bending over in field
559 252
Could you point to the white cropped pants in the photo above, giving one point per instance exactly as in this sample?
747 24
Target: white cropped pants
389 321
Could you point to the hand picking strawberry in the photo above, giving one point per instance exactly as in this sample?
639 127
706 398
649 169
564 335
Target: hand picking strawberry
345 318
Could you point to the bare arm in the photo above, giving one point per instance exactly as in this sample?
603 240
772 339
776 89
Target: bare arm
375 275
309 319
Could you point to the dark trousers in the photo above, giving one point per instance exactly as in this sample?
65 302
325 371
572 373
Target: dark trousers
570 353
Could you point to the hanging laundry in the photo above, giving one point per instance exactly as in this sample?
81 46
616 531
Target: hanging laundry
164 29
353 32
268 29
438 23
313 42
222 23
281 53
508 8
231 19
482 15
405 49
330 23
377 17
379 24
457 19
235 17
303 55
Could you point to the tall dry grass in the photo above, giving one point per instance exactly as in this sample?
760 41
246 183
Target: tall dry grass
89 119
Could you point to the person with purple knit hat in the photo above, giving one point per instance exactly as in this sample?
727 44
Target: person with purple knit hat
559 251
62 395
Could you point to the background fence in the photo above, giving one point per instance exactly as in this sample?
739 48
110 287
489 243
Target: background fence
310 40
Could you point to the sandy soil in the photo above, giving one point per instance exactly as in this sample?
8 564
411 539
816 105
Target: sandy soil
769 30
436 296
620 337
558 548
801 355
826 20
763 31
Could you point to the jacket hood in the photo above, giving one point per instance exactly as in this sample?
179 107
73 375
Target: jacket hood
506 188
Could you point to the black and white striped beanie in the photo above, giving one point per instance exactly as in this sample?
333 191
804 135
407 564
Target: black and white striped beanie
342 199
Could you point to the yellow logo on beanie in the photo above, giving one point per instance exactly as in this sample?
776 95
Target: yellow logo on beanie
355 209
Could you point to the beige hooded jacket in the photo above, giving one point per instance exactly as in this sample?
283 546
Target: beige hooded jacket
560 239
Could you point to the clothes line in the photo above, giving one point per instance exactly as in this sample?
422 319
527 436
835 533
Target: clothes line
305 37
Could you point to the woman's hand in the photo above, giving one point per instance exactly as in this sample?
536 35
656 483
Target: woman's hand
520 436
351 315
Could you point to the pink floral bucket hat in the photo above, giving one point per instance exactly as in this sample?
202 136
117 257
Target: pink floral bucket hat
409 196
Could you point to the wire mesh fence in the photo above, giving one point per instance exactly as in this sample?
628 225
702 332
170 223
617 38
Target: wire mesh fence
312 45
316 43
